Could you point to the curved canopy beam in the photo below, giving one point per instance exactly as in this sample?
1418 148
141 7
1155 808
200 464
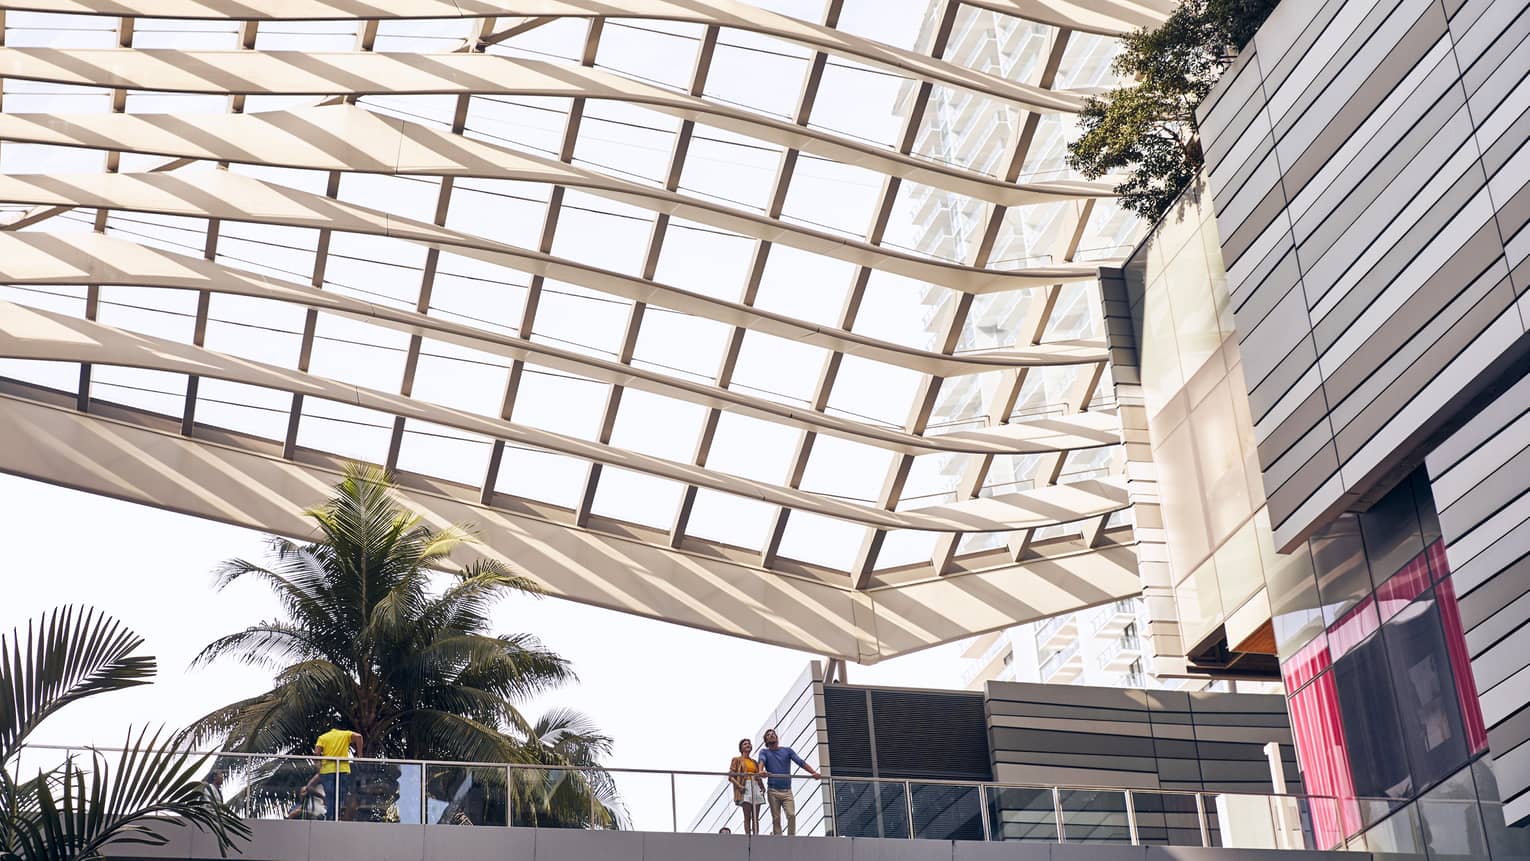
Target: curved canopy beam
230 197
347 138
47 336
254 73
32 258
725 13
1100 17
256 489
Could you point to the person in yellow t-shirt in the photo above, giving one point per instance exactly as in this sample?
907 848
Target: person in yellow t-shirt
335 770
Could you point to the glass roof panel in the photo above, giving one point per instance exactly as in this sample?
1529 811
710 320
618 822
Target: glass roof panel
662 52
730 519
905 547
460 377
752 448
246 409
743 60
656 425
169 314
156 391
703 260
529 123
637 498
872 392
822 540
259 329
778 369
349 431
626 141
623 232
581 320
730 168
541 475
62 376
504 211
444 452
803 285
359 353
480 294
680 345
848 470
559 402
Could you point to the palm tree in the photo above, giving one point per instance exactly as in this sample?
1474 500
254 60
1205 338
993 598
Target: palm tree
75 810
368 643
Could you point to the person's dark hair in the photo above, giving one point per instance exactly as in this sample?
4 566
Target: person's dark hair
742 742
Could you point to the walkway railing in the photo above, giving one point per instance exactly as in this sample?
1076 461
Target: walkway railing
269 786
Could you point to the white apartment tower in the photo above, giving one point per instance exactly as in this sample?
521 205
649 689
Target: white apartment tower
1099 646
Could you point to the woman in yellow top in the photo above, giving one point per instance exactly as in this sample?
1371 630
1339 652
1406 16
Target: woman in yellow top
748 790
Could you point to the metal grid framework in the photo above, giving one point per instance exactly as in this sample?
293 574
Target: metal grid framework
238 255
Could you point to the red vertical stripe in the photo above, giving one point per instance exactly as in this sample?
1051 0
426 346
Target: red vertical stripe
1461 667
1321 750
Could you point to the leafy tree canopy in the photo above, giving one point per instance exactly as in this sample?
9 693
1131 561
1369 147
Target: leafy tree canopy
1147 130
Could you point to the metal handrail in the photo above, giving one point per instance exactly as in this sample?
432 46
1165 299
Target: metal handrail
987 792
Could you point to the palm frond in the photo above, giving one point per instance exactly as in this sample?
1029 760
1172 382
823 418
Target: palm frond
66 656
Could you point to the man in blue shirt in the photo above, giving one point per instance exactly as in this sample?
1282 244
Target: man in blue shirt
776 761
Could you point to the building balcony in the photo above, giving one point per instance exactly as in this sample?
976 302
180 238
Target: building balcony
1063 666
1056 632
1119 655
1110 620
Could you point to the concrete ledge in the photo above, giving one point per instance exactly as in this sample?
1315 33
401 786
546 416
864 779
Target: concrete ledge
364 841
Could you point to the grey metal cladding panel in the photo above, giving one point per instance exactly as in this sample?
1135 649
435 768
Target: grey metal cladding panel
1513 214
1009 741
1232 752
1486 424
1242 81
1236 178
1164 702
1496 577
1309 414
997 708
1432 308
1472 35
1409 250
1079 759
1174 748
1079 696
1256 301
1245 100
1241 280
1281 68
1389 366
1391 400
1237 240
1383 79
1504 54
1419 118
1503 660
1283 465
1508 482
1277 338
1286 499
1508 616
1335 74
1513 731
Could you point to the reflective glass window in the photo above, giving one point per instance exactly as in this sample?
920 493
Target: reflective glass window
1426 699
1392 532
1338 558
1377 753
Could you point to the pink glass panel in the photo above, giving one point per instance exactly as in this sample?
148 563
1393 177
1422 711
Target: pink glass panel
1324 760
1402 587
1353 627
1306 664
1461 667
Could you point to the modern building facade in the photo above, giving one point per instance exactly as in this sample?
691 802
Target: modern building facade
905 762
1366 163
